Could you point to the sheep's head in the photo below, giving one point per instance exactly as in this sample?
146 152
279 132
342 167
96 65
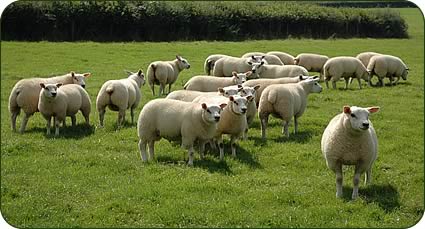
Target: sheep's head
182 62
249 91
79 78
239 104
50 90
229 90
138 76
255 68
239 78
211 113
404 74
313 83
359 117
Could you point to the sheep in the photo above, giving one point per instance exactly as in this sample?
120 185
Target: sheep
210 62
311 62
263 83
346 67
350 139
120 95
275 71
287 59
189 96
270 59
171 119
211 83
364 57
285 101
227 65
232 121
387 66
25 94
59 101
251 112
165 72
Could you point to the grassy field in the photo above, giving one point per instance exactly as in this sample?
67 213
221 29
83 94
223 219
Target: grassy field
95 178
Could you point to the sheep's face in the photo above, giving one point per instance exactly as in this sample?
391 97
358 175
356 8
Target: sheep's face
230 90
359 117
50 90
255 68
79 78
239 104
211 113
249 91
239 78
182 62
404 74
315 86
257 59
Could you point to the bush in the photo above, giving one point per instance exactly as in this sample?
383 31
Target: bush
167 21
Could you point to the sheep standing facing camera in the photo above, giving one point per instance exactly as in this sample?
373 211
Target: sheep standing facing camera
350 139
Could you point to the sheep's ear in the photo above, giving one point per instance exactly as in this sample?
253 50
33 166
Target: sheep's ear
223 105
86 75
231 98
301 77
234 73
73 74
240 86
204 106
315 77
58 85
408 69
347 110
140 72
373 109
221 90
250 97
262 62
42 85
253 57
249 62
262 57
178 57
256 87
248 73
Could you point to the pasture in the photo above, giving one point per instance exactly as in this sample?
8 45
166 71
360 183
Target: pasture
91 177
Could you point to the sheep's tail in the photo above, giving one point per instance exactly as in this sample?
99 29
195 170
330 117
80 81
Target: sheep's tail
325 71
13 104
151 73
370 66
208 66
109 90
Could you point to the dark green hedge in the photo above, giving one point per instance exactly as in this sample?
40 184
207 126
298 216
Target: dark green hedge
167 21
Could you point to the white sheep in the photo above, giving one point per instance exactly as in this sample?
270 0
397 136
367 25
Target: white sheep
263 83
350 139
287 59
120 95
165 72
232 121
364 57
59 101
285 101
387 66
171 119
251 112
311 62
211 83
210 62
189 96
25 94
344 67
227 65
269 58
276 71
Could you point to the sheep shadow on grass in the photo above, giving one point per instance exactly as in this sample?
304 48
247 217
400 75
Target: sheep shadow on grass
208 163
242 155
75 132
385 196
301 137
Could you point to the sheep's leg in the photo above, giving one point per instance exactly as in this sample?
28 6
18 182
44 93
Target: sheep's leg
295 124
190 154
356 181
57 123
73 120
132 115
202 149
346 83
13 117
245 134
333 84
381 81
360 83
24 123
233 140
121 118
368 176
152 86
327 83
152 149
221 147
49 123
162 89
396 81
142 148
264 120
64 122
101 116
169 88
285 129
339 179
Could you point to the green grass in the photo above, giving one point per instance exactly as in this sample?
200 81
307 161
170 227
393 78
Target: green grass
95 178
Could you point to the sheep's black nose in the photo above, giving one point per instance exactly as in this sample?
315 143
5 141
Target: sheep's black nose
84 86
217 118
188 66
243 110
366 124
253 71
54 94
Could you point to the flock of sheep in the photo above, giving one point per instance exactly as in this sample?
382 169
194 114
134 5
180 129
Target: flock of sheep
226 103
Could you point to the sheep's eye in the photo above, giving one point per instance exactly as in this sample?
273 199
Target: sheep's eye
236 103
353 115
209 111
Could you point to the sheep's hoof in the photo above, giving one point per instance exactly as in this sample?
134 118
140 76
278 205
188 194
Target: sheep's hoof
339 195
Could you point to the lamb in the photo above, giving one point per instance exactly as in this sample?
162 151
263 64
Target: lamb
311 62
120 95
211 83
227 65
165 72
25 95
350 139
232 121
59 101
263 83
346 67
270 59
285 101
274 71
189 96
210 62
173 119
287 59
387 66
364 57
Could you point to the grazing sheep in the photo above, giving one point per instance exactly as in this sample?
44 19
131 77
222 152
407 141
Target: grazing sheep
26 92
211 83
287 59
232 121
311 62
285 101
227 65
165 72
171 119
387 66
59 101
120 95
210 62
263 83
350 139
275 71
189 96
270 59
364 57
346 67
